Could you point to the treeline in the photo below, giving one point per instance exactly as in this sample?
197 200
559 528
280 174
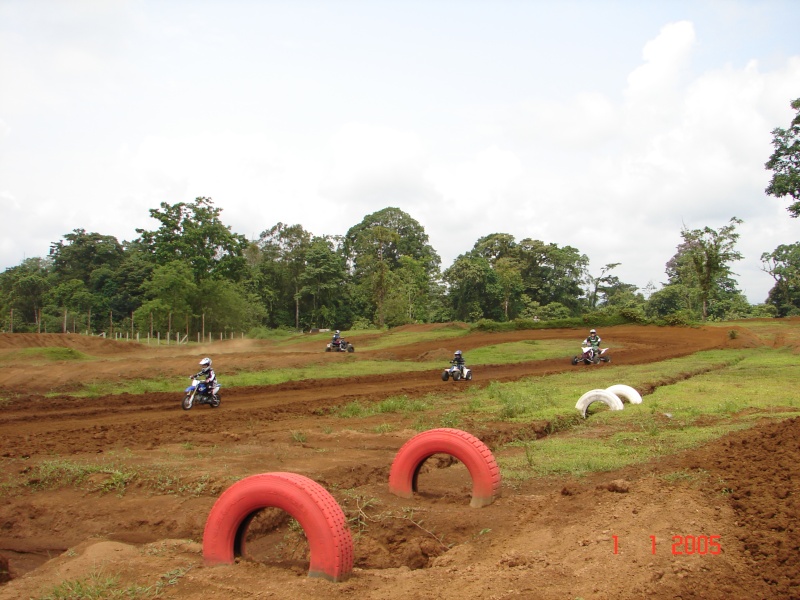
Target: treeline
192 274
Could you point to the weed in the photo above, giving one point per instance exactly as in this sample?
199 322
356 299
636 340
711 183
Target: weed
299 437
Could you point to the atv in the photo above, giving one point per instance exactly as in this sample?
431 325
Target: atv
456 372
590 356
340 346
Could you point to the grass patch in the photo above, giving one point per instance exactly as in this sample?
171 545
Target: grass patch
522 351
98 586
116 478
45 355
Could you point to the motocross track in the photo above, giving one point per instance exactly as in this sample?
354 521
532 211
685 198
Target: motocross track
544 538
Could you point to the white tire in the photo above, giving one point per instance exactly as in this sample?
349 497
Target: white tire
625 392
611 400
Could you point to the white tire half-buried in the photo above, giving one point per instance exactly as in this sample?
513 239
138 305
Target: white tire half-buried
472 452
611 400
322 519
625 392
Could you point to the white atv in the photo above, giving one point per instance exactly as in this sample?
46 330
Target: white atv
456 372
591 355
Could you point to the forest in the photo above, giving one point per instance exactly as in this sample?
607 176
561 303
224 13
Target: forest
193 276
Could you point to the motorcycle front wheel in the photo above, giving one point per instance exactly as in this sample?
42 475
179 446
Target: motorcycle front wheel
188 400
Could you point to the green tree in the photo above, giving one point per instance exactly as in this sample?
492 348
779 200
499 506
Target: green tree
324 282
286 246
703 261
170 292
378 250
24 289
783 265
597 285
785 162
472 288
552 274
193 232
79 254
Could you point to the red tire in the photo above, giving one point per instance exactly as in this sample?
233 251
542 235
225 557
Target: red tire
322 519
475 455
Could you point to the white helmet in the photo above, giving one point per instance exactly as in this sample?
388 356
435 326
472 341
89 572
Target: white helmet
593 331
206 362
337 332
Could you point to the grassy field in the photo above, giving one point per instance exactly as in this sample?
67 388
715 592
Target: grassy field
687 401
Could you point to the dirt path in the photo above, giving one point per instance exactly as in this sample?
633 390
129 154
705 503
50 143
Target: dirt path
542 539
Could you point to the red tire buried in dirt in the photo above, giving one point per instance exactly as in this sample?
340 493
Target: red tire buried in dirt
322 519
464 446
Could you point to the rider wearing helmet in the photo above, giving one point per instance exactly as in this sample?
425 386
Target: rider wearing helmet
458 360
593 341
210 376
337 338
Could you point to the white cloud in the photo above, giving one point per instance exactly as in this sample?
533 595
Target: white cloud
127 106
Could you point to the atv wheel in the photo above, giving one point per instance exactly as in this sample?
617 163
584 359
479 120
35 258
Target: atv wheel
351 348
468 376
456 375
574 360
328 349
445 375
606 359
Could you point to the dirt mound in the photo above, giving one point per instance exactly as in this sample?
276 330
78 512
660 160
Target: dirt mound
93 345
655 527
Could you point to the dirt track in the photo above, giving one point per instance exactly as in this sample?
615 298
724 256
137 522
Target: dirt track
541 539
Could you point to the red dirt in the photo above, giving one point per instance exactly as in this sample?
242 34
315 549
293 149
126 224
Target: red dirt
550 538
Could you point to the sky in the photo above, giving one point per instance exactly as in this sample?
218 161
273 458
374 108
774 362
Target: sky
608 126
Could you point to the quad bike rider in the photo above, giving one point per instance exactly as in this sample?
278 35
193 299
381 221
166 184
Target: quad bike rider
593 342
337 339
459 369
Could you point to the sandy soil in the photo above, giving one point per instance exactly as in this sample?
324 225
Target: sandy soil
643 532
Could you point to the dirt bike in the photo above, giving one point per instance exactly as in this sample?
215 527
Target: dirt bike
457 373
199 393
340 346
591 355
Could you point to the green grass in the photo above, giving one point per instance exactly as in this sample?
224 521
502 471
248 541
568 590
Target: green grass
99 586
699 398
44 355
113 477
526 350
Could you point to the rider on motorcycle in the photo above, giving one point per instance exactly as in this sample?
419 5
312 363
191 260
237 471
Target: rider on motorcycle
458 360
210 377
593 341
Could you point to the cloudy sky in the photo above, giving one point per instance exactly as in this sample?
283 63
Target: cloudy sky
603 125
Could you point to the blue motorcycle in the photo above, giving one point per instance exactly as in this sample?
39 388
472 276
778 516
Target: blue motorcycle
200 393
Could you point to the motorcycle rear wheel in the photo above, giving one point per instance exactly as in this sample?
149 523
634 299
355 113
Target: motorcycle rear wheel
215 402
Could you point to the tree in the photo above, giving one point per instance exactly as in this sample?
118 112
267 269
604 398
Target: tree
602 280
703 259
81 253
552 274
287 245
323 281
785 162
410 240
171 292
24 289
783 264
472 288
377 248
194 233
